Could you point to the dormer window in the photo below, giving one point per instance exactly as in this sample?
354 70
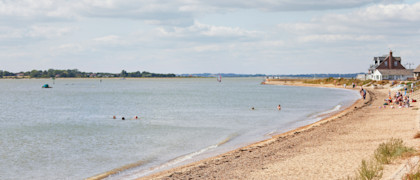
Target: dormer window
395 63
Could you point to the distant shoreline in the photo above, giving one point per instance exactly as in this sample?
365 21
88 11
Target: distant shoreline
112 78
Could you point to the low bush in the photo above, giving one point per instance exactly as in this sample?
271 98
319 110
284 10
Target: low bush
387 151
369 170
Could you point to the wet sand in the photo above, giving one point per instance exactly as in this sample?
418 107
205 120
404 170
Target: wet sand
332 148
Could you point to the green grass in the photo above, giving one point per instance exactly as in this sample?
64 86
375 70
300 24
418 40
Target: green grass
369 170
390 150
384 154
338 81
413 176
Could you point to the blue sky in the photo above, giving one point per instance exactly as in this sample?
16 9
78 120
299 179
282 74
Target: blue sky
195 36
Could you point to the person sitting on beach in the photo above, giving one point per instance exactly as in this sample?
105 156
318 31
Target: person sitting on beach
407 101
279 107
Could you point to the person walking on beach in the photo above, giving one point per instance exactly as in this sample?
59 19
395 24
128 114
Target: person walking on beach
363 92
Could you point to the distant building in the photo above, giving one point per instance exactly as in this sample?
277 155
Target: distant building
417 73
362 77
388 68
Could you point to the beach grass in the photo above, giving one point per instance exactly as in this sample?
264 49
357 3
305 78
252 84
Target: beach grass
390 150
370 170
384 154
341 81
413 175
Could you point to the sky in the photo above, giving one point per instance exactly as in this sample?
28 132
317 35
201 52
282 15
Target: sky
201 36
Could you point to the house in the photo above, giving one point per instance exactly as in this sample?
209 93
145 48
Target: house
417 73
388 68
362 77
20 75
392 74
378 61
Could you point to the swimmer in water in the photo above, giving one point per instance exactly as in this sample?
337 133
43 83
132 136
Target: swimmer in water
123 118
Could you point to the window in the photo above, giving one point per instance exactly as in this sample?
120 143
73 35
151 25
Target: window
395 63
386 63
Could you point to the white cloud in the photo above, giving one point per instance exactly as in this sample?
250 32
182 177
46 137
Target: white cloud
163 12
292 5
35 31
107 38
376 22
72 47
207 31
48 31
100 31
338 37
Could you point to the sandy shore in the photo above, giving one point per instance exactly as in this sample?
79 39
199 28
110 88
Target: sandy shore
329 149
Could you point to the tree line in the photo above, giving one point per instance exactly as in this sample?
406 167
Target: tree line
74 73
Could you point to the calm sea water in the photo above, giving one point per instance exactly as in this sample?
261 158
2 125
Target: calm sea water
67 132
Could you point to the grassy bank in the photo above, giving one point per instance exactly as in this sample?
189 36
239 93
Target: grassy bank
384 154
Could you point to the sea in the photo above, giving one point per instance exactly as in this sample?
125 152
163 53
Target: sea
68 131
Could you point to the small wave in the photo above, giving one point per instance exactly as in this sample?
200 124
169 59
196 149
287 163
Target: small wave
336 108
325 113
117 170
191 155
184 157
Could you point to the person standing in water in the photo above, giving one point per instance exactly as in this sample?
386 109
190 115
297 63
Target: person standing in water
279 107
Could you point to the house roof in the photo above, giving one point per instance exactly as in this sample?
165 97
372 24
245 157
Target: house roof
382 58
417 69
404 72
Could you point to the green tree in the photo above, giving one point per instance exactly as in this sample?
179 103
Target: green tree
51 73
35 74
124 73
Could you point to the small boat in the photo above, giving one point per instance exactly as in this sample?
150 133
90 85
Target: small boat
46 86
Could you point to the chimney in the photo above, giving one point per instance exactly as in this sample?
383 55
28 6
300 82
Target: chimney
389 60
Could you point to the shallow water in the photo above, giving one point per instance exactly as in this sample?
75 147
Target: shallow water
67 132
